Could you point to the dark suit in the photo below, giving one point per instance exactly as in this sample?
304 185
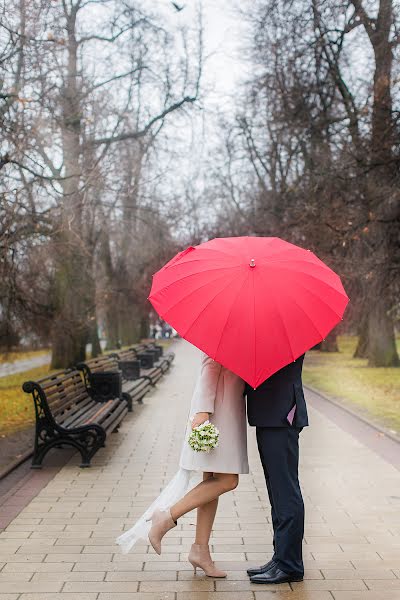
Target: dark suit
277 409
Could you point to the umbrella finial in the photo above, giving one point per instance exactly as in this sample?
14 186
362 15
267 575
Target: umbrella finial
252 262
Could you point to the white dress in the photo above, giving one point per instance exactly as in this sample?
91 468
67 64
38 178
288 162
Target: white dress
220 392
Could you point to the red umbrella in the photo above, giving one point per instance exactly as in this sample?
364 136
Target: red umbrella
254 304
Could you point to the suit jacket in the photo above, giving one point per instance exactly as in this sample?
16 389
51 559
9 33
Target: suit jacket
278 401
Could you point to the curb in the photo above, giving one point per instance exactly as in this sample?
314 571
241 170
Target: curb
354 413
7 470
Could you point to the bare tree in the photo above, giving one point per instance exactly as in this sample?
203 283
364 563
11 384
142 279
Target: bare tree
94 75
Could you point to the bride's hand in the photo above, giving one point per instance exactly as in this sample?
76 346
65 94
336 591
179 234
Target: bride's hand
199 418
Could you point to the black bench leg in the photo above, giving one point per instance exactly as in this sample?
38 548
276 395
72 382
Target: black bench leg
36 463
87 443
88 451
128 398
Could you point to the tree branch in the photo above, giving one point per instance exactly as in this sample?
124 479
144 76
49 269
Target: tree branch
129 135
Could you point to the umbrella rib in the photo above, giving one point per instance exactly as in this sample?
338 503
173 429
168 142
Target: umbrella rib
218 250
192 275
227 318
285 329
201 312
319 279
254 327
309 318
254 311
200 259
319 298
193 291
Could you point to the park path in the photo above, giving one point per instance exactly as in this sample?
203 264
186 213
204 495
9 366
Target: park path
61 545
25 364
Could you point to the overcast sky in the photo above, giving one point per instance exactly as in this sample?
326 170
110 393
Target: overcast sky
223 68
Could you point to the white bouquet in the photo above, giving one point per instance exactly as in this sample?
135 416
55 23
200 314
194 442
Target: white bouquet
204 437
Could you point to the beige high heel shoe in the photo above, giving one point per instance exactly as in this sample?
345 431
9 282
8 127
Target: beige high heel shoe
200 558
161 522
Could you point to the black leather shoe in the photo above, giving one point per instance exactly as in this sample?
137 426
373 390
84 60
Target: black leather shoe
275 575
262 569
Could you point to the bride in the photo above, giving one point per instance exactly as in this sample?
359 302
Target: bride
218 396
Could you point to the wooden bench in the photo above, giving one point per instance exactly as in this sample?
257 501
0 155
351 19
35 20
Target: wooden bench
67 415
169 356
130 362
152 360
98 375
159 358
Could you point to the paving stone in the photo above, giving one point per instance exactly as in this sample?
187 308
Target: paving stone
365 574
299 595
61 596
69 576
9 576
379 584
138 596
39 567
218 596
239 586
111 566
326 584
38 587
193 585
143 576
367 595
101 586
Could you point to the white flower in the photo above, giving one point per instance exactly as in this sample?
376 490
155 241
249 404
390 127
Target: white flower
204 437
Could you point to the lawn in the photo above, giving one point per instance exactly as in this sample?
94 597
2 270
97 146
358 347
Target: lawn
16 407
9 357
374 392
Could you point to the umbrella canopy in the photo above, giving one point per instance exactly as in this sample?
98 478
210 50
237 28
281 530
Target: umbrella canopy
254 304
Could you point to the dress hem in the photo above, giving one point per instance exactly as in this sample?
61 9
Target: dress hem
204 470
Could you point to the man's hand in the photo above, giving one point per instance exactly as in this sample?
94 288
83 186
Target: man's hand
199 418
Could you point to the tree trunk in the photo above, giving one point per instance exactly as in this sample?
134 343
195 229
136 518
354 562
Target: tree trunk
144 327
70 332
111 328
382 350
378 340
129 325
95 341
70 328
361 350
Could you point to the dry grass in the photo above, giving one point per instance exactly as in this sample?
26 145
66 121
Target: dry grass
8 357
374 392
16 407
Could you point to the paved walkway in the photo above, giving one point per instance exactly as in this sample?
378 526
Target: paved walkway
61 546
25 364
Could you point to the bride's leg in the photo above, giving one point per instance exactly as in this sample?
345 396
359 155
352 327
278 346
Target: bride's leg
205 518
206 491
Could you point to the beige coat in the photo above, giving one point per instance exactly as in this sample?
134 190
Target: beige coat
220 392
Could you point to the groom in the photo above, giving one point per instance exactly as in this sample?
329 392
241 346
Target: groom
278 410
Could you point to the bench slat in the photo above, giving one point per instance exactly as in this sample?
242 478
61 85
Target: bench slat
79 413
